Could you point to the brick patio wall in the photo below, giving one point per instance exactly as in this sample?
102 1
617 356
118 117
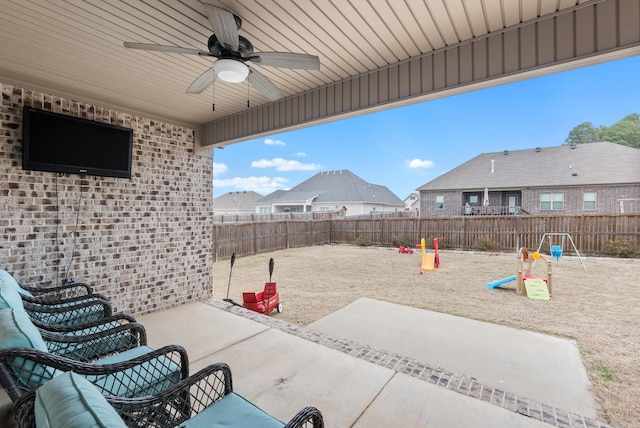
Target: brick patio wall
145 242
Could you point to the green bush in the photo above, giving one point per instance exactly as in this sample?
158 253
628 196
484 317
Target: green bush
404 240
362 241
484 244
620 249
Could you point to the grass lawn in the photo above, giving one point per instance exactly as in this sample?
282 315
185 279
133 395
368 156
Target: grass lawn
598 308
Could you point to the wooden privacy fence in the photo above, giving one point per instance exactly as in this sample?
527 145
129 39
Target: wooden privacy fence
590 233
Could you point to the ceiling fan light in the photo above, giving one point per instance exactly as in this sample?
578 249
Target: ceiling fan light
230 70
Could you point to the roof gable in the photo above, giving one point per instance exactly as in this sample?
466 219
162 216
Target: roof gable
236 201
335 186
583 164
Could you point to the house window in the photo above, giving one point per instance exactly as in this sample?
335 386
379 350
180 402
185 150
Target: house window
439 202
589 200
473 200
552 201
265 210
324 209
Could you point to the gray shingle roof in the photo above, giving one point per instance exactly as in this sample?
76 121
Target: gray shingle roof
335 187
584 164
236 201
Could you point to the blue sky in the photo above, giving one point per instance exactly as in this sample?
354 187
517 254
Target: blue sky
406 147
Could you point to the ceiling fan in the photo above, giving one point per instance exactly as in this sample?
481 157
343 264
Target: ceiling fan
233 52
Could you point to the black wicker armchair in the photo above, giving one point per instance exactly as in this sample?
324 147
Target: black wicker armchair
125 366
205 399
68 312
49 293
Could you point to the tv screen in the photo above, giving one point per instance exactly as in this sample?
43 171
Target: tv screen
59 143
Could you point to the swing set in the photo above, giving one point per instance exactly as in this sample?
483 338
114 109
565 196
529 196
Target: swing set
556 250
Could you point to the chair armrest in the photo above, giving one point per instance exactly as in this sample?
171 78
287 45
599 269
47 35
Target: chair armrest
90 327
24 369
306 416
73 314
89 345
58 300
178 403
64 290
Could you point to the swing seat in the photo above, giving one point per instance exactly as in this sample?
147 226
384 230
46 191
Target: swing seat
556 252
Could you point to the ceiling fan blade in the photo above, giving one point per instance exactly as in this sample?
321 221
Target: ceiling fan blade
264 85
224 26
286 60
202 82
163 48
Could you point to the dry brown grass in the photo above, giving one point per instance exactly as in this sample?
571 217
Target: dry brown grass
597 308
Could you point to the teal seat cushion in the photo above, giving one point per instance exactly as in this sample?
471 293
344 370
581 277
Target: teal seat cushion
8 279
71 401
10 298
233 410
146 379
17 331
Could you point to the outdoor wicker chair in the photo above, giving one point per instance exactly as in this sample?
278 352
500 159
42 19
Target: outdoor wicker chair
205 399
73 311
27 363
49 293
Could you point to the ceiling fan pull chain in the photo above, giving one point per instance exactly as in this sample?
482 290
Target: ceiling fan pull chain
213 97
248 93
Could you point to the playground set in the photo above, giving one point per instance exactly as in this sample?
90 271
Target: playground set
429 261
532 286
527 284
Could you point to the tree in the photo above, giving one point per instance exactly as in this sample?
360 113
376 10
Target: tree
625 132
583 133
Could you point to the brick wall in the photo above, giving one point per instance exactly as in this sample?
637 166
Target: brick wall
145 242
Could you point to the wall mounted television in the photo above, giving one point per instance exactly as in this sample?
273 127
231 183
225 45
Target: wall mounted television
59 143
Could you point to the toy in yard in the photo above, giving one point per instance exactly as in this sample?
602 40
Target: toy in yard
556 250
264 301
227 299
405 250
429 261
531 286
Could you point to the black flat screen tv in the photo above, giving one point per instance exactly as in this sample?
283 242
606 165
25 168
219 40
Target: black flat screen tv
59 143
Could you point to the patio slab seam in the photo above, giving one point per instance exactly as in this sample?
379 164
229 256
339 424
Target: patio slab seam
438 376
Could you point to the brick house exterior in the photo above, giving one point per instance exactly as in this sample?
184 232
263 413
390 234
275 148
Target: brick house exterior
144 242
593 178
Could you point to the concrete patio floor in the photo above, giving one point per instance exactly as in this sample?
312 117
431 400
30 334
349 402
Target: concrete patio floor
283 368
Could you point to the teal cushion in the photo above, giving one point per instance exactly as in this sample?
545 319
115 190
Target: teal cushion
146 379
10 298
71 401
233 410
8 279
16 331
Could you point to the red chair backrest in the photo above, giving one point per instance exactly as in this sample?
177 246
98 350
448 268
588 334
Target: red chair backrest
269 290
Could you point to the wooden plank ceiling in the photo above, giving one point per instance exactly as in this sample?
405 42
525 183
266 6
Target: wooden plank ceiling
75 48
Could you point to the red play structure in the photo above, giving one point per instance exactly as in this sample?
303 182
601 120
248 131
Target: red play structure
264 301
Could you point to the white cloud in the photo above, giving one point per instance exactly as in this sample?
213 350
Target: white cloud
301 154
419 163
219 168
281 164
270 142
262 185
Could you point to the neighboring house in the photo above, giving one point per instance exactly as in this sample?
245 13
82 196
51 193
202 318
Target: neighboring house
412 202
236 203
341 192
591 178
